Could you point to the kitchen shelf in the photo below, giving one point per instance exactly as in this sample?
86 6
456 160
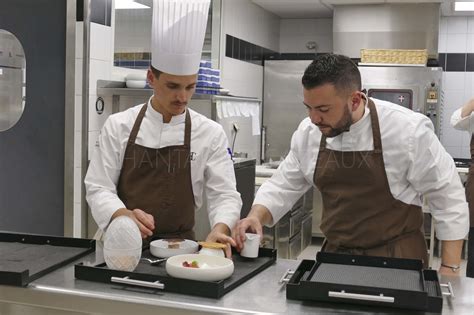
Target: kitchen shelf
117 89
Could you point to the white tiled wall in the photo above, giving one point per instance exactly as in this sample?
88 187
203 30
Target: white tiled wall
295 33
101 60
247 21
133 30
456 35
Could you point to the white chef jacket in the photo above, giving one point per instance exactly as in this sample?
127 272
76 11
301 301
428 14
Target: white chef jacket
212 169
415 162
463 123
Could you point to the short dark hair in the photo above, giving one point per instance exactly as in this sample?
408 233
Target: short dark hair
334 69
155 71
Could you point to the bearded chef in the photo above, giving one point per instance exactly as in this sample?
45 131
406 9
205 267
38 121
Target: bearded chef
372 161
463 119
154 161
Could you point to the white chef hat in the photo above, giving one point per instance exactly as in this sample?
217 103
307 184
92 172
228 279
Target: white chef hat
177 35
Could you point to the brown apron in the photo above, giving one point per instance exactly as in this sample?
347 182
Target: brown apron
470 200
158 181
360 215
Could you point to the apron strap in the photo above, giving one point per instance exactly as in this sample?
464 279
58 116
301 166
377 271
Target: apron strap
136 125
375 127
187 130
375 130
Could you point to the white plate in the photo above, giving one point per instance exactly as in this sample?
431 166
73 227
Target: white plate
212 268
159 248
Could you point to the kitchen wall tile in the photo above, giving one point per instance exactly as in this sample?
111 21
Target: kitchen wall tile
77 184
470 43
470 25
468 86
79 39
456 62
453 99
248 21
78 113
456 43
99 70
470 62
448 111
78 77
96 120
443 25
77 219
228 45
242 78
235 48
77 148
100 42
454 81
456 24
442 41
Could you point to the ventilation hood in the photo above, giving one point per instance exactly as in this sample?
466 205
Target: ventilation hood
386 26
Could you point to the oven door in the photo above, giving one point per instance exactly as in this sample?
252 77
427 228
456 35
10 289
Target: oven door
402 97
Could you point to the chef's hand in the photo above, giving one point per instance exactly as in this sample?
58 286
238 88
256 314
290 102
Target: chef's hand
144 221
220 234
248 224
258 216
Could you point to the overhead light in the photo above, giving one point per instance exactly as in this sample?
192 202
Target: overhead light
129 4
463 6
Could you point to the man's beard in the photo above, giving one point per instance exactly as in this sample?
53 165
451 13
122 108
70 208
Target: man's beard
342 125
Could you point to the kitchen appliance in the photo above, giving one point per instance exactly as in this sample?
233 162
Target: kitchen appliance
414 87
37 160
12 80
381 281
283 107
146 275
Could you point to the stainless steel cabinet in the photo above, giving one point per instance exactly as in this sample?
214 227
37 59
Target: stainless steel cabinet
295 245
306 233
293 232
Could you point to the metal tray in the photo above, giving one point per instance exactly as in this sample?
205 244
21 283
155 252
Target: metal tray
156 277
26 257
388 282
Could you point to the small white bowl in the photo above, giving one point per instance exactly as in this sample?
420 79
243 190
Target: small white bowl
136 84
159 248
136 76
212 268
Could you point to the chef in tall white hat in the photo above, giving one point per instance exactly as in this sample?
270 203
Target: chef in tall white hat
154 161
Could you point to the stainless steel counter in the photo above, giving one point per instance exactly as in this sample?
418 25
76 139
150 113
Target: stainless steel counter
60 293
